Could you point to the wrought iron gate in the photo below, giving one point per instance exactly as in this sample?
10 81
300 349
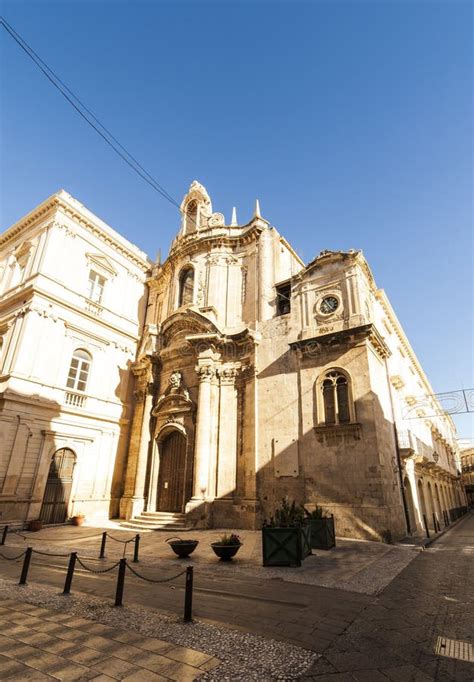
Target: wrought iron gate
58 487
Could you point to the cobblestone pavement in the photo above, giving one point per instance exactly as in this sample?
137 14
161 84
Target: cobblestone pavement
41 644
395 636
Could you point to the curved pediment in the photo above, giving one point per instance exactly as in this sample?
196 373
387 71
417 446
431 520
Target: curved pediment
186 323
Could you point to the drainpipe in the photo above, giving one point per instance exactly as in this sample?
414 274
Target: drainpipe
397 449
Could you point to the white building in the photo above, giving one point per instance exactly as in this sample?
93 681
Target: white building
71 310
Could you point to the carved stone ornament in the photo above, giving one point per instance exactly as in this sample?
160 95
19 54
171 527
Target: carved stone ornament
227 375
216 220
175 387
205 372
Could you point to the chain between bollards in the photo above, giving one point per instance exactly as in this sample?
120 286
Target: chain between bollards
120 582
70 573
4 535
102 545
188 596
136 549
26 565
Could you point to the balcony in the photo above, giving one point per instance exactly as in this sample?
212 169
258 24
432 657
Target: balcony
75 399
406 442
93 308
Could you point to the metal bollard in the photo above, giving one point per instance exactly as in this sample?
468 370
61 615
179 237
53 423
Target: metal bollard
70 573
120 582
136 548
188 596
4 535
426 526
102 545
26 565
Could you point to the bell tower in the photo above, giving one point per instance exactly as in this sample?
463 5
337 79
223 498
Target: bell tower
196 209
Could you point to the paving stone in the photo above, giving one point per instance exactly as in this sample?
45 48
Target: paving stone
210 664
189 656
6 642
44 661
145 676
52 628
70 672
158 646
61 647
128 637
9 667
39 639
72 635
21 652
85 655
114 667
181 672
153 662
30 674
25 620
101 643
14 630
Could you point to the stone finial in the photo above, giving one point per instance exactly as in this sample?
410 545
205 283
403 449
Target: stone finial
233 221
257 213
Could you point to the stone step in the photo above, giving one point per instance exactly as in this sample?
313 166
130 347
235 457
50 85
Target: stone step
162 515
140 525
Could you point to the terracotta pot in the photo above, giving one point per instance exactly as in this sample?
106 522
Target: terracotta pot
78 520
35 525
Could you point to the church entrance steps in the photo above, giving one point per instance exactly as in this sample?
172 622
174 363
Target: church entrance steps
157 521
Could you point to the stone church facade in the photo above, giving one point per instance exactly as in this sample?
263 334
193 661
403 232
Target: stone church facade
255 376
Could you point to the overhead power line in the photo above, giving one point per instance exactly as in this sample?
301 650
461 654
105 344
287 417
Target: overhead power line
88 116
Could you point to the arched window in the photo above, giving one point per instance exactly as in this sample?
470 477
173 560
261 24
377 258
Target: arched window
79 370
186 287
336 400
191 217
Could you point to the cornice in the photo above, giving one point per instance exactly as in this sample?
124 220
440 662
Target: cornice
59 201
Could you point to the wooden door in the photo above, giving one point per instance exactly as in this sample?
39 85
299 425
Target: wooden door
58 487
172 473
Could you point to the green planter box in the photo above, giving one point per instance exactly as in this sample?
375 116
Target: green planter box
323 534
285 546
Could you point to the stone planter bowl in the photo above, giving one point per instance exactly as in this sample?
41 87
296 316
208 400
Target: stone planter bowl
225 552
183 548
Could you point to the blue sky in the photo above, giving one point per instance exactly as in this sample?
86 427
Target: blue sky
350 121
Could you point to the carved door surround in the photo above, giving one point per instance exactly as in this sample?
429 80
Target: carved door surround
173 441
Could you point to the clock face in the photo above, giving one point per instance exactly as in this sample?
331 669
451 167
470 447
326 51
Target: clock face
329 305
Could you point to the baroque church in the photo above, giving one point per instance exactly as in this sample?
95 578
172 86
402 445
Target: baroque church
201 390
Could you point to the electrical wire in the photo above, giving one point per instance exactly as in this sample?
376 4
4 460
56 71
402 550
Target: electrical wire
107 136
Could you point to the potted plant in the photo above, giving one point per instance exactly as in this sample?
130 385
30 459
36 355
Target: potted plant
183 548
286 537
227 546
35 524
78 519
323 534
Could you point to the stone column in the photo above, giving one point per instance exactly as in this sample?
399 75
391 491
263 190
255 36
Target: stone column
203 433
227 462
153 486
133 500
410 470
